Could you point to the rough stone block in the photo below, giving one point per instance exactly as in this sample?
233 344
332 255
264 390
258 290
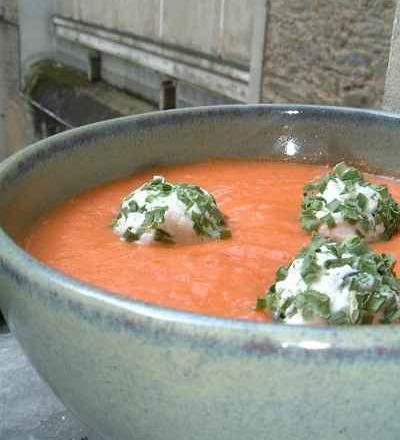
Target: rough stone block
323 51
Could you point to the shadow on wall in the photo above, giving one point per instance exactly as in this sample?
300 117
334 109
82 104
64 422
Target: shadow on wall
3 326
63 97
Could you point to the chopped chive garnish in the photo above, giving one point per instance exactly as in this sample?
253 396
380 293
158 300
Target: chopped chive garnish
343 196
337 283
144 210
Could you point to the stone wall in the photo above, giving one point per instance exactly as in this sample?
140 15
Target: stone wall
328 51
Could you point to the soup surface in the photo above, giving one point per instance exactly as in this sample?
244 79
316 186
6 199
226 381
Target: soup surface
224 278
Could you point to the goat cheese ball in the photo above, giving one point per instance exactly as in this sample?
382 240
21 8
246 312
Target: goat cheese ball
170 213
335 283
342 203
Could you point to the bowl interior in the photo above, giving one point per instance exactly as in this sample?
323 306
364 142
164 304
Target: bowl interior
39 177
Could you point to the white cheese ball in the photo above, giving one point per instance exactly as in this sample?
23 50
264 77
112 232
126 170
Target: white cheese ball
170 213
329 283
336 190
335 283
342 203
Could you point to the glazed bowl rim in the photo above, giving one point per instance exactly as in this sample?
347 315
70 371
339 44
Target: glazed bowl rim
14 258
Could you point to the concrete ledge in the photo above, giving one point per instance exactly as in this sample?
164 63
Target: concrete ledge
220 77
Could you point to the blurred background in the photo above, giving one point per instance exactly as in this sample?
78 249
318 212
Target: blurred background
65 63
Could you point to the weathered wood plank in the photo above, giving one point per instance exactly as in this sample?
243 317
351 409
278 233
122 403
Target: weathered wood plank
214 75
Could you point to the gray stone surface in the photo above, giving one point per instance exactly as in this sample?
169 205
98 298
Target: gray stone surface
138 16
141 81
19 124
142 18
237 29
257 58
324 51
188 95
28 408
73 55
8 74
193 24
3 90
392 89
9 10
127 76
35 31
220 28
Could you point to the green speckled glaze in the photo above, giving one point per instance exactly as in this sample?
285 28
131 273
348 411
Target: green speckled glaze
137 371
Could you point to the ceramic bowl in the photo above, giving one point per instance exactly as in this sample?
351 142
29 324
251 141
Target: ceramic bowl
132 370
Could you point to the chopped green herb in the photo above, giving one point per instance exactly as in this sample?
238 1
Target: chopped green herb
310 269
344 197
261 303
339 283
144 211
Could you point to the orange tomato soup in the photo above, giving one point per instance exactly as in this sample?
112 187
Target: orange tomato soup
223 278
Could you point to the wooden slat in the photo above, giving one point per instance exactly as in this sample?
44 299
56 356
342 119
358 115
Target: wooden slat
214 75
